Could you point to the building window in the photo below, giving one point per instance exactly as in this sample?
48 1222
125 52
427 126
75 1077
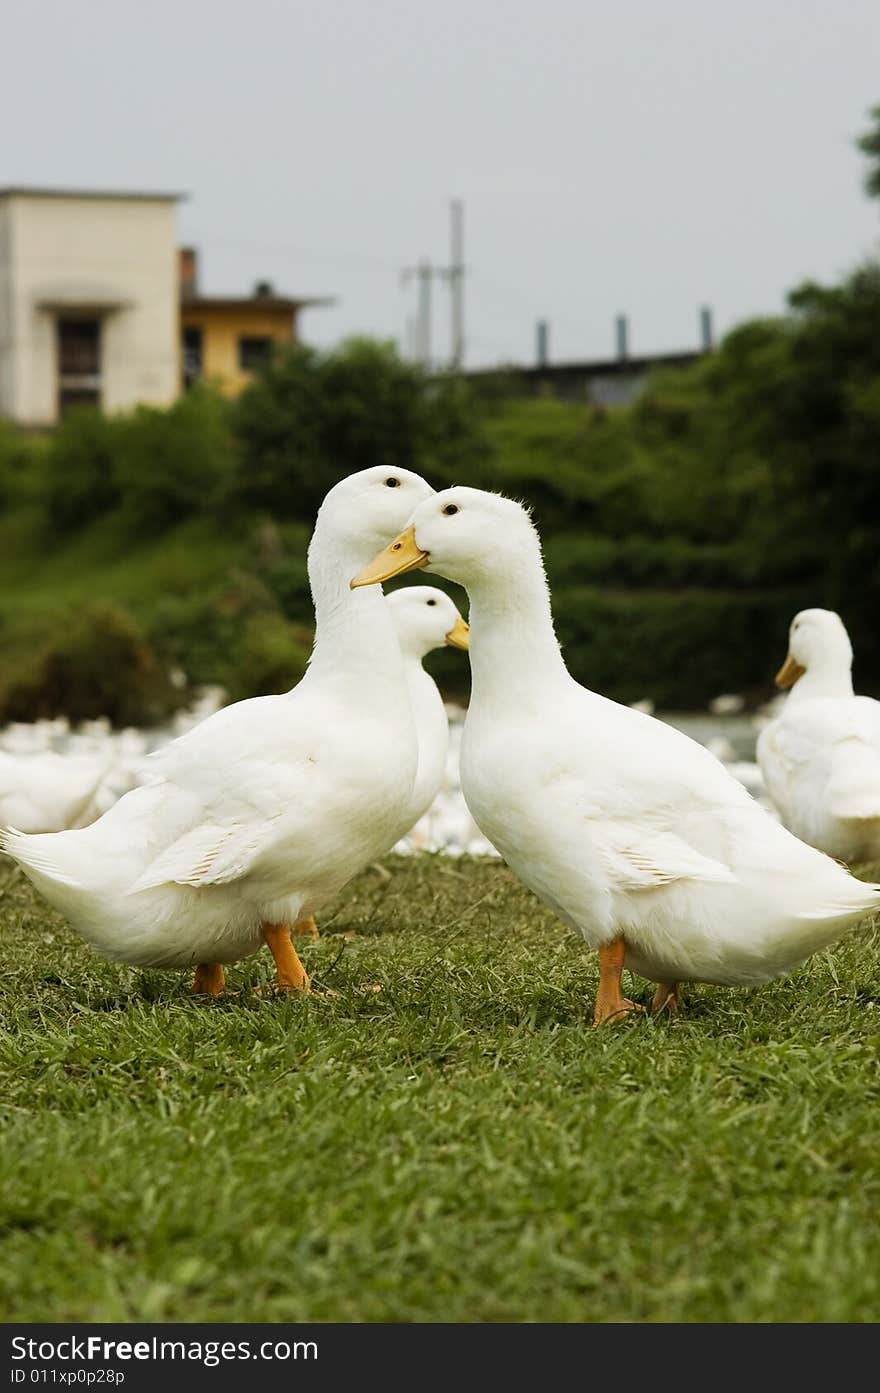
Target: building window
254 354
79 363
192 355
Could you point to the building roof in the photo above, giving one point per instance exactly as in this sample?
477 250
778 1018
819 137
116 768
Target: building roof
252 302
593 367
128 195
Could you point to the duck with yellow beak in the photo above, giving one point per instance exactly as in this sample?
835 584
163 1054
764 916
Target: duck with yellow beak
821 757
633 834
424 619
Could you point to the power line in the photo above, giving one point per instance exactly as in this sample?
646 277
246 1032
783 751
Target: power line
424 272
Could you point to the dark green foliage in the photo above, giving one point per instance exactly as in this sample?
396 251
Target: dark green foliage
172 464
869 144
21 465
672 646
233 635
97 662
157 467
680 535
81 478
312 418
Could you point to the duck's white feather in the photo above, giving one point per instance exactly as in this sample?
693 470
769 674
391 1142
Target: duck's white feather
267 809
820 757
620 823
47 792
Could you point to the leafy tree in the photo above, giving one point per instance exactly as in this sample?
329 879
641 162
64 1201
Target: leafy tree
869 144
312 418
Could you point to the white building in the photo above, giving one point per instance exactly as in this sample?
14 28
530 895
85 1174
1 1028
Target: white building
89 301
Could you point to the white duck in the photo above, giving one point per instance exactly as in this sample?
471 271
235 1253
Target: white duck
631 832
263 812
48 792
821 757
424 619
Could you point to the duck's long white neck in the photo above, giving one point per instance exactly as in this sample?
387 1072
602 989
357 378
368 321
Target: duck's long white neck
514 652
829 675
355 642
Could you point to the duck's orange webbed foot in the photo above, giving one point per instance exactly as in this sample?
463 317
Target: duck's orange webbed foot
666 997
210 980
610 1003
305 928
292 976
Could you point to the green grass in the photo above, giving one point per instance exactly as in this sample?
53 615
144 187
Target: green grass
457 1146
39 575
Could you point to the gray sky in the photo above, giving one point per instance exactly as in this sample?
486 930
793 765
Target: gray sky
637 155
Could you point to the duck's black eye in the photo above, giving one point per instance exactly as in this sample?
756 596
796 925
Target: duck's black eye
430 602
392 483
450 509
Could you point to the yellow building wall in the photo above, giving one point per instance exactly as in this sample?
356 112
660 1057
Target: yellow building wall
221 331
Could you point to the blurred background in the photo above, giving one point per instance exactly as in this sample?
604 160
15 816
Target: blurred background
622 264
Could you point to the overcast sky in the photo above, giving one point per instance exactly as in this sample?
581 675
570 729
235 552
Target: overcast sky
644 156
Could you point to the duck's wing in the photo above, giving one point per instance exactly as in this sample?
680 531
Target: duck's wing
828 752
645 862
209 854
787 753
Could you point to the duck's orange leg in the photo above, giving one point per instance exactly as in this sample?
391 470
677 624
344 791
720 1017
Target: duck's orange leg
292 976
666 996
210 980
610 1004
306 928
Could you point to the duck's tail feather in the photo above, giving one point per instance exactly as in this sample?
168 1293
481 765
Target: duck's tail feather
32 852
850 898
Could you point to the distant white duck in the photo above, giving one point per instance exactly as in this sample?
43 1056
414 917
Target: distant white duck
49 792
424 619
820 757
260 814
631 832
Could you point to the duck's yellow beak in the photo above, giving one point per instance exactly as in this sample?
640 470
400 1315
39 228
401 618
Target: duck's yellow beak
789 673
401 556
459 635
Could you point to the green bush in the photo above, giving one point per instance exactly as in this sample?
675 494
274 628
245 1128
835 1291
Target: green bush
312 418
271 656
234 636
97 662
81 480
681 649
172 464
157 467
21 463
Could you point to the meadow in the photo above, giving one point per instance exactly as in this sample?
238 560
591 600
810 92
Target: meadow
440 1135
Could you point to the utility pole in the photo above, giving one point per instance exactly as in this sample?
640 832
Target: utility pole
622 335
453 274
424 273
542 343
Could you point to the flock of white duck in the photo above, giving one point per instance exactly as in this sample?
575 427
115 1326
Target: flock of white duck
239 831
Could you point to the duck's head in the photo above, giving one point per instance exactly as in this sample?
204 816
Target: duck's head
363 510
465 534
424 619
817 641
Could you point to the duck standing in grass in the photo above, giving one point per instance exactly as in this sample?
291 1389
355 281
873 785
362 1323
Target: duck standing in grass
424 619
254 819
48 792
631 832
821 757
